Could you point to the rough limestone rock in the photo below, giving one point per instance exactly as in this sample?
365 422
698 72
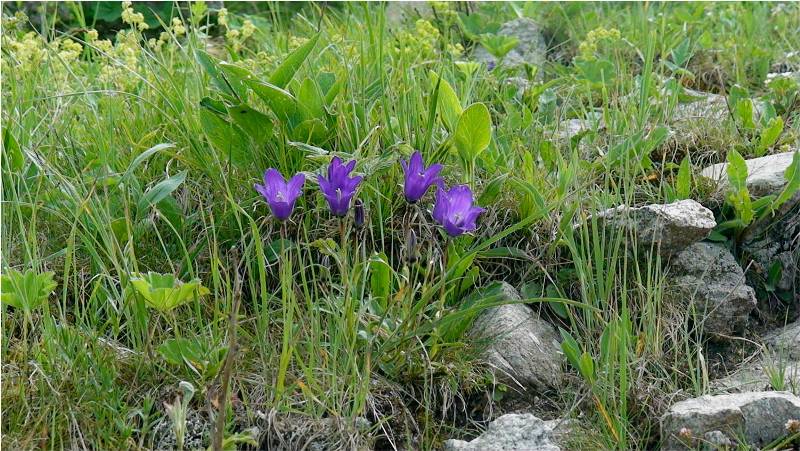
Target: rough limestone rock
524 349
531 47
765 175
513 432
775 241
786 340
780 361
670 228
706 107
758 417
707 276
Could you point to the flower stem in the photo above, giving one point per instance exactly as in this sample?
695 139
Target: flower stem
227 371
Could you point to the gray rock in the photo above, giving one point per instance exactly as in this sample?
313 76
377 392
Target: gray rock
779 362
785 340
765 175
197 435
531 47
513 432
398 12
524 349
757 417
670 228
707 276
775 240
708 107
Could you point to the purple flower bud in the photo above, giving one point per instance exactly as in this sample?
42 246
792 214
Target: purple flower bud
279 194
491 65
417 178
454 210
411 246
338 187
358 213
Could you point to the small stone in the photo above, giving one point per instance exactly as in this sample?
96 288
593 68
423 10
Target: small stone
765 175
707 276
531 48
757 417
524 349
668 228
512 432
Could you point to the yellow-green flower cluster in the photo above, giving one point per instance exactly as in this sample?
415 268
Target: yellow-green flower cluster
120 62
27 53
30 53
178 28
69 50
421 43
444 11
235 36
595 40
131 17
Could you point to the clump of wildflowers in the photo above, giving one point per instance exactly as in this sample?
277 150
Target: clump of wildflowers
121 61
338 187
131 17
281 195
421 43
596 40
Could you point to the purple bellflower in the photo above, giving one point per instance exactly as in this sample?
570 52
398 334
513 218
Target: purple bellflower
417 178
280 194
338 187
454 210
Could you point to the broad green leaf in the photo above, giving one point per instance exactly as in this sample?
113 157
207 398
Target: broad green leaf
227 138
587 367
380 278
737 93
770 134
492 190
164 292
144 156
549 154
26 291
792 175
498 45
571 349
230 88
683 182
736 170
280 101
12 152
474 131
743 112
310 98
284 73
311 130
256 124
449 105
160 191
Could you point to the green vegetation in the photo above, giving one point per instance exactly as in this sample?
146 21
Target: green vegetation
136 253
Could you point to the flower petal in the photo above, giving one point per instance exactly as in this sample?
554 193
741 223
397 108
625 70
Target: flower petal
274 181
440 207
295 185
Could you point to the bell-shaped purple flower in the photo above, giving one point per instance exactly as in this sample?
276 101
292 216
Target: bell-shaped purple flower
280 194
417 178
454 210
338 187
